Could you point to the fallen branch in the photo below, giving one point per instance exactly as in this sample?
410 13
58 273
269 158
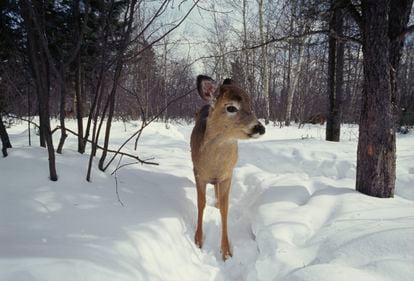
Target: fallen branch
98 146
113 151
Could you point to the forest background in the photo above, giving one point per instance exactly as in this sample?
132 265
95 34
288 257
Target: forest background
301 61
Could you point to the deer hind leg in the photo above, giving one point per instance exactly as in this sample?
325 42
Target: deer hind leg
223 201
201 204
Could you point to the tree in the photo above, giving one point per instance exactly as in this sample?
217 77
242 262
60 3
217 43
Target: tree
4 138
35 29
301 25
381 24
335 73
127 30
264 60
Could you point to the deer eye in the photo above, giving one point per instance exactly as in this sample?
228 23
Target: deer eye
232 109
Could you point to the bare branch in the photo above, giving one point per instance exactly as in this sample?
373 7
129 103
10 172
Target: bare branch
168 32
116 152
116 182
144 125
156 15
74 133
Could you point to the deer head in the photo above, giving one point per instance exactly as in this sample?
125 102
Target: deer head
231 114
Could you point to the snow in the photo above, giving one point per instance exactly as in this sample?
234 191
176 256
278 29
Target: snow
294 214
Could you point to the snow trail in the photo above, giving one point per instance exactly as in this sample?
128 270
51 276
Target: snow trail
294 214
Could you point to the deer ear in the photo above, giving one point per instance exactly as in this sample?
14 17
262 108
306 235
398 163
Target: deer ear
206 87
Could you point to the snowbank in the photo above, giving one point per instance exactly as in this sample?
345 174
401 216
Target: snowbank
294 214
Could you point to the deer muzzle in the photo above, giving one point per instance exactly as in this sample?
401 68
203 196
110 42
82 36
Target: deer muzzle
257 131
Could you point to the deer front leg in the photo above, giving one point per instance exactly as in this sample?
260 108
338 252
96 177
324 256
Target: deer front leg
223 198
201 204
216 193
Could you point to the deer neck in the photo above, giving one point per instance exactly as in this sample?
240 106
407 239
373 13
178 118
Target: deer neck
215 137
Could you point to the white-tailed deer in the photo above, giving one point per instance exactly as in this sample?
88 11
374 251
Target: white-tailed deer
227 118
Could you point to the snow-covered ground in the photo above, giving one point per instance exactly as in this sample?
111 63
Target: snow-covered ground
294 214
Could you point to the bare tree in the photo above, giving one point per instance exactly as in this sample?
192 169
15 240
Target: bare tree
264 68
41 73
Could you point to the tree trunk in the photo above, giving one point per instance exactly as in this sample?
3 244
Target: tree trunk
111 102
40 70
164 84
117 74
41 133
335 75
63 134
95 114
265 71
246 69
398 19
293 85
79 106
4 138
376 145
355 96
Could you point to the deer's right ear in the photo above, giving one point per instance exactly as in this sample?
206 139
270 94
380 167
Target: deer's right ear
206 87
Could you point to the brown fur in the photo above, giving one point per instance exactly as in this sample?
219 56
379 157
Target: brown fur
214 151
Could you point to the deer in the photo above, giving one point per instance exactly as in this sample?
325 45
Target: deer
226 118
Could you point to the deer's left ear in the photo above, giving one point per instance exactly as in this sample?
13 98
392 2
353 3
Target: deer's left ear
206 87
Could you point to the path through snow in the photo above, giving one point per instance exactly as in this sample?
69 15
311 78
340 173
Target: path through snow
294 214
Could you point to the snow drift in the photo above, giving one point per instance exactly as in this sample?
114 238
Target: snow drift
294 214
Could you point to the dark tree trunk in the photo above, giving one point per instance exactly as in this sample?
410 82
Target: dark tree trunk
111 103
41 131
398 20
40 69
381 25
94 93
288 80
335 75
95 133
376 145
79 97
79 106
4 138
118 69
63 134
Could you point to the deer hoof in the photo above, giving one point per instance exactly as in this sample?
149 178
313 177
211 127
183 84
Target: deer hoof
226 254
198 239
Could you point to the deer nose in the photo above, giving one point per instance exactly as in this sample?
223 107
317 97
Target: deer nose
259 129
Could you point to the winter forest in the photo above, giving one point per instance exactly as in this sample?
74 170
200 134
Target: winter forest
98 100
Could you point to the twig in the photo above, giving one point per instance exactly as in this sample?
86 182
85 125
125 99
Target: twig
98 146
117 152
124 165
116 183
144 125
21 118
166 33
